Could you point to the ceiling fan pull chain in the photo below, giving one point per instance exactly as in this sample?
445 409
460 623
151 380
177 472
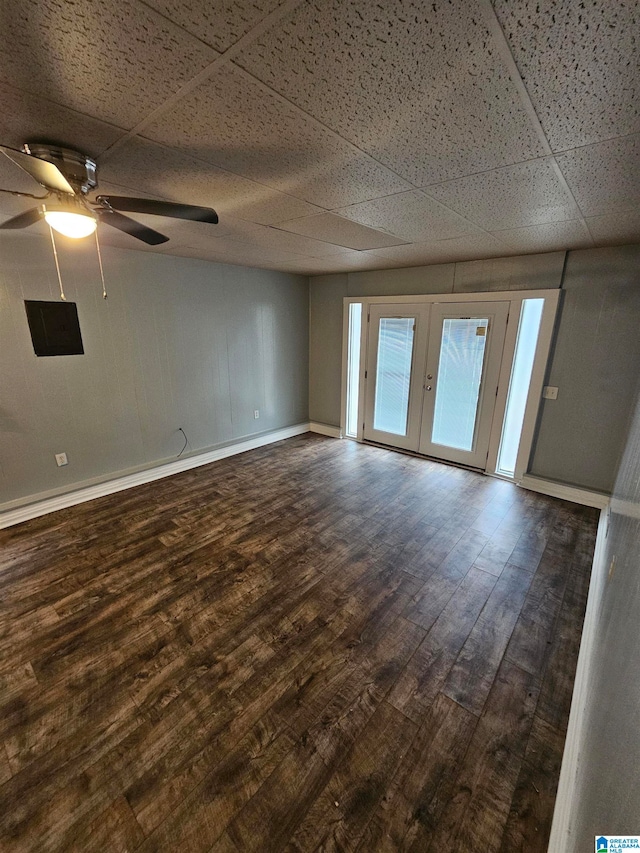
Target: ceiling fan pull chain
55 257
104 289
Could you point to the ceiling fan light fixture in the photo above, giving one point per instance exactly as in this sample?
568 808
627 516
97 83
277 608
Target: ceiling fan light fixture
70 221
68 176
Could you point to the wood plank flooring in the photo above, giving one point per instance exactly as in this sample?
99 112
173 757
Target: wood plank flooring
316 645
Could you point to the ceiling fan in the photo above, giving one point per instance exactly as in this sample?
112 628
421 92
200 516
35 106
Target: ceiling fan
68 176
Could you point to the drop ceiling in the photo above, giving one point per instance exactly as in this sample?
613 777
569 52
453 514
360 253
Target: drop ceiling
340 135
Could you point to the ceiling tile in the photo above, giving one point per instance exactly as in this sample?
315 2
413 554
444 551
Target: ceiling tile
172 228
220 249
579 62
419 86
604 178
179 231
117 61
287 241
218 23
343 232
444 251
143 165
411 215
235 122
185 233
265 205
12 205
159 171
525 194
196 234
395 137
14 178
7 211
29 118
615 228
549 237
232 252
118 240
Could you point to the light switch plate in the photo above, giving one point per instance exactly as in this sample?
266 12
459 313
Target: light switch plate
550 392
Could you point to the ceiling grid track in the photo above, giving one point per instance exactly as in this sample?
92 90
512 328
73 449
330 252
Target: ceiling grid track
278 96
507 56
339 135
266 23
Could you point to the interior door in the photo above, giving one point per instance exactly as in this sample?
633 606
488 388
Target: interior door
397 342
461 379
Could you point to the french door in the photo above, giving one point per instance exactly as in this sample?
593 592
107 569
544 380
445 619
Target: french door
461 379
396 349
432 377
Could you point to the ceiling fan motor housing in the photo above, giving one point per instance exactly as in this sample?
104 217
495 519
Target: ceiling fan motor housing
77 168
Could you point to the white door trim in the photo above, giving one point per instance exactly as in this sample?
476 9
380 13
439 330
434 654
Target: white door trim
534 396
536 383
421 313
515 297
491 369
483 296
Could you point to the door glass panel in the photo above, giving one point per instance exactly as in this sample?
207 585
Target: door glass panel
521 370
459 379
393 374
353 368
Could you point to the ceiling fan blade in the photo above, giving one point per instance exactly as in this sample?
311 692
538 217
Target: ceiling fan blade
43 172
23 220
160 208
131 227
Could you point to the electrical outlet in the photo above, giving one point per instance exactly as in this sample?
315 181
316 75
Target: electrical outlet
550 392
61 459
256 413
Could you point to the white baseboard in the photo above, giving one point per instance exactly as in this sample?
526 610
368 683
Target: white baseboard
325 429
562 827
38 507
566 493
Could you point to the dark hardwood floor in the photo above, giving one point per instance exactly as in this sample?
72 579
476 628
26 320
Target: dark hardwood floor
317 645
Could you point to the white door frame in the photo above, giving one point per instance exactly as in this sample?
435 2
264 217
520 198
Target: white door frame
491 368
534 397
421 313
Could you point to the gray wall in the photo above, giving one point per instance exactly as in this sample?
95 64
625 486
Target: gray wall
179 343
594 360
595 365
607 800
325 345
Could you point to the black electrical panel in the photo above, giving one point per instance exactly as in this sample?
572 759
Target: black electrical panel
54 327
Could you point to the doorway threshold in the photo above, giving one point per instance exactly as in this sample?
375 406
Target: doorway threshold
417 455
